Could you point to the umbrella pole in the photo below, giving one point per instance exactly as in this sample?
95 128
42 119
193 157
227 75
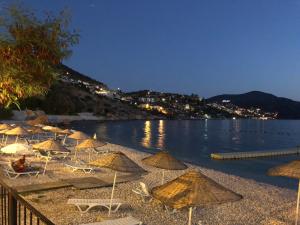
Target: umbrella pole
190 215
112 194
17 139
297 209
45 167
64 141
163 177
75 154
89 156
6 139
3 136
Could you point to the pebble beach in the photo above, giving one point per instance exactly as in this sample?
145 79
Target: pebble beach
261 204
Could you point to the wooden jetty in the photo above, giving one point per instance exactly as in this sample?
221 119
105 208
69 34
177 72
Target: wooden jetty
255 154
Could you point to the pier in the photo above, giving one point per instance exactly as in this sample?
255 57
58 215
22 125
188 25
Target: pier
255 154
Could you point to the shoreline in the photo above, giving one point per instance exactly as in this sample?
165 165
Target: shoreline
261 204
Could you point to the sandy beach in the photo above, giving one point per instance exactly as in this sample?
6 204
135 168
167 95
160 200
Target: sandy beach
261 204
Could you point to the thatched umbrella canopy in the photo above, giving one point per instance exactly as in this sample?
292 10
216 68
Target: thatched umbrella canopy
50 145
4 131
292 170
66 132
36 131
18 131
117 161
48 128
193 189
165 161
78 135
90 143
4 126
54 130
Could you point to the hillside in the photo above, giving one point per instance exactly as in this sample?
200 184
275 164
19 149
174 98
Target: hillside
286 108
74 93
67 71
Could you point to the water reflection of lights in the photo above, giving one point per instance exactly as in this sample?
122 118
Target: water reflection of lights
161 135
146 141
205 130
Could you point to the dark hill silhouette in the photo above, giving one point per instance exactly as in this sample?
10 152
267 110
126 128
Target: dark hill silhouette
286 108
79 76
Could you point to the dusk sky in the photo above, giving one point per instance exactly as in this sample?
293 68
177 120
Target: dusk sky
207 47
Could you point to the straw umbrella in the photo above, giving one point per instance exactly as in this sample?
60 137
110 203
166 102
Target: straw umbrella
4 126
50 145
193 189
117 161
55 130
66 132
90 143
36 130
78 135
164 161
292 170
18 131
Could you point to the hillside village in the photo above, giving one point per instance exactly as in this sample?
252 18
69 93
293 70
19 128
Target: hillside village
160 104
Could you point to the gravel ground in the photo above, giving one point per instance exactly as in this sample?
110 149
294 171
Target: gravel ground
261 204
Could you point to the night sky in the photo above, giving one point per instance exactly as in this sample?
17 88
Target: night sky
207 47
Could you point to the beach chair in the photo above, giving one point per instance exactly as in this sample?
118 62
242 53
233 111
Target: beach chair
41 154
12 174
78 166
59 155
100 151
84 205
121 221
143 191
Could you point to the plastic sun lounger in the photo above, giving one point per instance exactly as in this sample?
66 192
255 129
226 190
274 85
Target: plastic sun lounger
90 203
79 167
59 155
101 151
122 221
42 155
11 174
143 192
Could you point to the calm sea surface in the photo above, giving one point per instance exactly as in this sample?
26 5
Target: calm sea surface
194 141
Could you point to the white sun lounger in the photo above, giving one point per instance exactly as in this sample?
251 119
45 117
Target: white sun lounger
10 173
143 192
79 167
101 151
90 203
122 221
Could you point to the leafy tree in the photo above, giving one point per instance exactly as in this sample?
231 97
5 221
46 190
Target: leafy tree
31 49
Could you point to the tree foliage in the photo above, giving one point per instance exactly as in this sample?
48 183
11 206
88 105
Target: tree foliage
30 50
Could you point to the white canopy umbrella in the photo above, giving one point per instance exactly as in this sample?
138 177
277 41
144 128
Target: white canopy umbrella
17 148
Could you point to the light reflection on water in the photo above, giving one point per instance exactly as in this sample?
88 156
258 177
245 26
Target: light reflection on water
194 141
146 141
161 135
